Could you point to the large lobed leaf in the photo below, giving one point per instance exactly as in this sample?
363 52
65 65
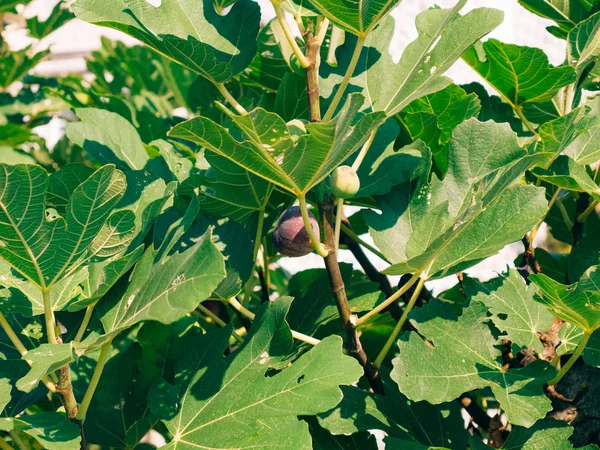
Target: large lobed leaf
190 32
43 246
212 413
292 156
513 309
465 357
520 75
578 303
444 36
469 215
169 280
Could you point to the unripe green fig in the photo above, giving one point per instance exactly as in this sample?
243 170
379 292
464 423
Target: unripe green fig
344 182
290 238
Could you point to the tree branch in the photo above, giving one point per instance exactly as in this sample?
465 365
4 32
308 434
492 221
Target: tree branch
312 75
353 345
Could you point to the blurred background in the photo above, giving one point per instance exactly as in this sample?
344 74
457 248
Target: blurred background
76 40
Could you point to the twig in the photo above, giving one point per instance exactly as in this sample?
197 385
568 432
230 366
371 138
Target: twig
368 267
475 411
339 212
353 345
584 215
314 239
394 298
4 445
363 151
352 235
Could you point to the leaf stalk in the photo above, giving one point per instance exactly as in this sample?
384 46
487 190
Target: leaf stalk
388 345
230 99
302 59
316 243
89 393
250 315
578 351
346 80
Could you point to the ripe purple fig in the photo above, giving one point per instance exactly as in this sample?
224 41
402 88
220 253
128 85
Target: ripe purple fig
344 182
290 237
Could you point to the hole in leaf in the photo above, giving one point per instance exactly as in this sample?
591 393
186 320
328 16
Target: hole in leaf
300 378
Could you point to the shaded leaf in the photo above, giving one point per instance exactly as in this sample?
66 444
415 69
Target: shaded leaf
108 138
567 174
412 422
165 286
212 412
52 430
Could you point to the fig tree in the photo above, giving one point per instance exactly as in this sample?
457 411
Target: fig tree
290 237
344 182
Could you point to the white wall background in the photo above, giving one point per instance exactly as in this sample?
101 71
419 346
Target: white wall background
73 41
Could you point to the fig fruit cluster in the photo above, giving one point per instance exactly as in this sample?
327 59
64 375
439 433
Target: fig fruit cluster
344 182
290 237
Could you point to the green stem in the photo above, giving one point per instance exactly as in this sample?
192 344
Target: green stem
259 231
232 101
250 315
14 339
12 335
363 151
388 345
584 215
394 298
84 324
17 440
539 224
302 59
339 212
217 320
346 80
4 445
356 238
555 360
49 316
89 393
519 110
578 351
316 243
564 213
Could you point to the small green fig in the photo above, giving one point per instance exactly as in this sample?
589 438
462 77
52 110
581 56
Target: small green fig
290 237
344 182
